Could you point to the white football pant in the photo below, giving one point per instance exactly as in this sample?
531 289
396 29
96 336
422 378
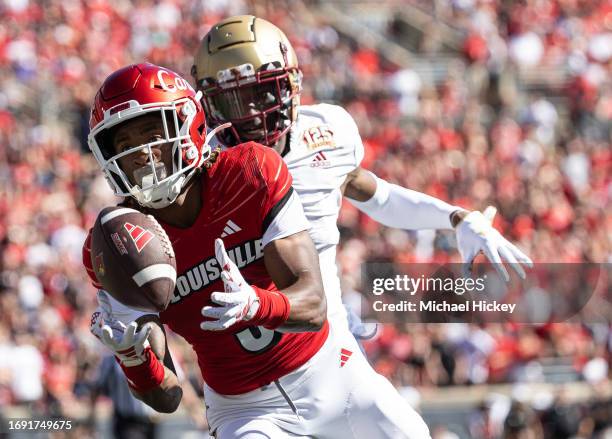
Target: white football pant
335 395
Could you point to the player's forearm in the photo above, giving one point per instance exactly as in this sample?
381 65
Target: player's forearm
293 265
308 305
396 206
164 398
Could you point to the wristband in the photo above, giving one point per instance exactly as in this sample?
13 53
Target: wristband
273 309
145 376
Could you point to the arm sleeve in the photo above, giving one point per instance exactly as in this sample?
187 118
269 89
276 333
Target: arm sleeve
396 206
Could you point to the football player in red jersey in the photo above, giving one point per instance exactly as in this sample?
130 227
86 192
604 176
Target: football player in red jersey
255 313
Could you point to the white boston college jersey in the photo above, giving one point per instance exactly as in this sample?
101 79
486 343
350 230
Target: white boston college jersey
325 146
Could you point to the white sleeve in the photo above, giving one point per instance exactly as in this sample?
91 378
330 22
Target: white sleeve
396 206
121 312
288 221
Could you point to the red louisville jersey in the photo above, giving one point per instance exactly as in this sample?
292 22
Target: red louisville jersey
241 195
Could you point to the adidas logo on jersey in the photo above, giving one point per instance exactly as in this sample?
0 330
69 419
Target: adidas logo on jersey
230 228
320 161
345 354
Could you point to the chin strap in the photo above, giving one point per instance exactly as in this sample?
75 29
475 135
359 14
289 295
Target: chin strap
211 134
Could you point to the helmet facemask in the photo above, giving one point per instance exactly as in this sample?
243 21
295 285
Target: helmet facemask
260 106
153 185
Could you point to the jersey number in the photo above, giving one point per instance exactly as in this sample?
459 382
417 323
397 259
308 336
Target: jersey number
257 339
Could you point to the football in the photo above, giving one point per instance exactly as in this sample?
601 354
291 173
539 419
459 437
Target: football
133 258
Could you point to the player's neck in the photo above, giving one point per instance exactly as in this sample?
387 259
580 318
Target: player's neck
185 209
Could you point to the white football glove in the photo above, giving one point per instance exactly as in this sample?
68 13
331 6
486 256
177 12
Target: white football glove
238 302
127 343
475 233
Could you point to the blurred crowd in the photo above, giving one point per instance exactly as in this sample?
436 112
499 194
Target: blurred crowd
479 137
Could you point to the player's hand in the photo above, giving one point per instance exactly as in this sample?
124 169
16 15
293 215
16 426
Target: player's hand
238 302
127 342
475 234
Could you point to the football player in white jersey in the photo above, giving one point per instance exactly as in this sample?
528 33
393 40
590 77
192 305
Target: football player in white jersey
248 73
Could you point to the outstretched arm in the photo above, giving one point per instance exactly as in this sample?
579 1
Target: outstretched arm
141 350
165 397
300 304
396 206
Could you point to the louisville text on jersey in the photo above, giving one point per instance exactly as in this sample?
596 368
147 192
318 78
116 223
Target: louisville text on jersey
208 270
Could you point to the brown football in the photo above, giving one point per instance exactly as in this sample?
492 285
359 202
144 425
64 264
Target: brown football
133 258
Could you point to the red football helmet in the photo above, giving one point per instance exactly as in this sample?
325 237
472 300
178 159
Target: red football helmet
141 89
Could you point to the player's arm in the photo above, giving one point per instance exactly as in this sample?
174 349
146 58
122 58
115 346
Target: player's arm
290 255
166 397
141 350
140 346
389 204
399 207
299 306
293 265
396 206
